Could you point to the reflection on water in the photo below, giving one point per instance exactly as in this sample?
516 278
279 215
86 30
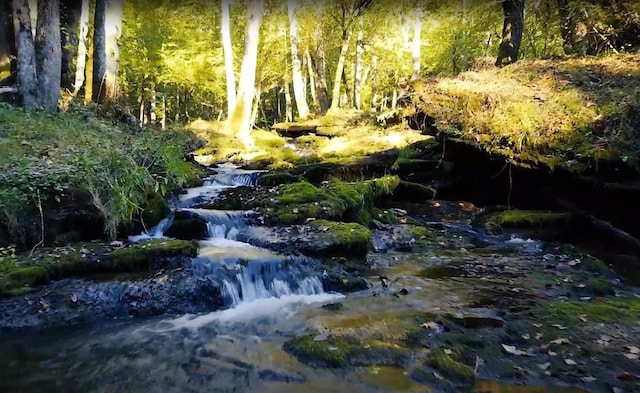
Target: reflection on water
501 387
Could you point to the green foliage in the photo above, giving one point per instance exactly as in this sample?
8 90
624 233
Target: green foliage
605 310
448 366
49 160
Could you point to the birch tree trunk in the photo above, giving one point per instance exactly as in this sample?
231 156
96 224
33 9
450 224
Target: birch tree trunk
335 94
27 77
82 53
374 81
298 84
357 79
240 118
228 57
106 54
321 80
70 19
48 54
312 78
417 41
288 104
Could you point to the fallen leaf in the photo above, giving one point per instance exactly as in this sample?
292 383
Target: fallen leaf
570 362
539 336
583 318
74 297
538 325
559 341
526 336
632 356
448 351
512 350
430 325
625 376
559 327
633 349
551 353
575 262
544 366
588 379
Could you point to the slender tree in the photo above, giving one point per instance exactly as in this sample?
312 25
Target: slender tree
106 53
417 41
240 118
70 19
27 77
567 26
312 77
228 56
48 54
8 50
512 30
321 79
82 52
357 79
298 84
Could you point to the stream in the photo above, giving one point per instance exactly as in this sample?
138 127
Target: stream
269 298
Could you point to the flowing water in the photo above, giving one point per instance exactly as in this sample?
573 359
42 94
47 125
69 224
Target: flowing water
268 299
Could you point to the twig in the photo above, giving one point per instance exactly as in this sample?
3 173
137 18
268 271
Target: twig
41 242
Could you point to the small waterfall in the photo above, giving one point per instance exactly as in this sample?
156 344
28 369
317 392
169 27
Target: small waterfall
221 223
233 179
156 232
267 279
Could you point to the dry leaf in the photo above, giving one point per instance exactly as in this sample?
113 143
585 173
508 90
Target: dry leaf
633 349
430 325
559 327
589 379
544 366
570 362
448 351
512 350
559 341
539 336
583 318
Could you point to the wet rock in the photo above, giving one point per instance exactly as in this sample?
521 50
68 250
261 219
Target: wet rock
495 222
144 255
333 306
344 283
277 178
187 226
413 192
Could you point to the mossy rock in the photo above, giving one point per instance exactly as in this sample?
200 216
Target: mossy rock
422 235
194 176
413 192
521 219
21 279
601 310
343 351
154 210
339 238
446 364
277 178
142 256
187 226
295 203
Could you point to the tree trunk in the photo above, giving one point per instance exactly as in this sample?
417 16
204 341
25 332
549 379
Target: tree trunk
335 96
357 77
288 105
27 77
512 29
48 54
240 119
374 81
70 20
298 85
312 79
164 111
348 94
256 105
152 104
8 50
228 57
99 51
82 53
417 42
394 98
106 54
567 27
321 80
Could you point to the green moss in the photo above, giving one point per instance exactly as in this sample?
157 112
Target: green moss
384 216
20 277
294 203
141 256
276 178
342 351
605 310
414 192
599 287
347 238
448 366
525 219
154 210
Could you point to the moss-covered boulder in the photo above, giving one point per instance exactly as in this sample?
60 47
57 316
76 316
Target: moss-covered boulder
295 203
142 256
154 210
448 365
277 178
414 192
343 351
524 219
337 238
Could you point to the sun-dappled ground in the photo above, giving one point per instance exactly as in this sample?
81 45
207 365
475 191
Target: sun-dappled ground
561 113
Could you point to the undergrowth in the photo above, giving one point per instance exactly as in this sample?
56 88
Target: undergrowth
48 161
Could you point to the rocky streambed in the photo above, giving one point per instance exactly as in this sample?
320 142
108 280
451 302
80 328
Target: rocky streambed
281 282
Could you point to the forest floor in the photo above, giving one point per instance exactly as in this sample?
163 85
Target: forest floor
570 113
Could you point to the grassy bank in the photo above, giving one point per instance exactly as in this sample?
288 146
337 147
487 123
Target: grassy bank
566 113
92 171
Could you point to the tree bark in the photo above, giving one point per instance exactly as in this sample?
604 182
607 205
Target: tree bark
8 51
82 52
27 77
312 78
567 27
228 57
321 80
288 104
512 30
298 84
70 20
335 95
357 77
240 118
417 41
374 81
106 54
48 54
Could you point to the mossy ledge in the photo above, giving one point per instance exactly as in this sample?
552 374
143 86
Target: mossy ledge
445 363
20 278
520 219
344 238
344 351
